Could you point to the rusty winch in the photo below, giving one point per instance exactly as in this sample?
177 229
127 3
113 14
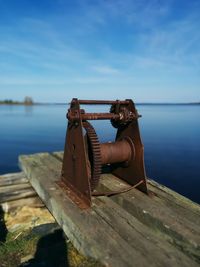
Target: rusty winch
84 156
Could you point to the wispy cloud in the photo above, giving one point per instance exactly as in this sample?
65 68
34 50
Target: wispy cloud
105 70
106 42
42 44
38 81
137 13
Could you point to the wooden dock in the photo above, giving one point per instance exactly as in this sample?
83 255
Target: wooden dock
16 191
128 229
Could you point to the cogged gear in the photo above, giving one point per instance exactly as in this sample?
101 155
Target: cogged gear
94 154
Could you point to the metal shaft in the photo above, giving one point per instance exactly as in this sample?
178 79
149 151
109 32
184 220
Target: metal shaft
102 102
100 116
115 152
93 116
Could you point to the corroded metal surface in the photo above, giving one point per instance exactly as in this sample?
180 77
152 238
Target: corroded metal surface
84 155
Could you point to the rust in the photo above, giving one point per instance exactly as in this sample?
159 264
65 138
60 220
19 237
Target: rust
102 102
119 151
94 155
122 116
84 155
92 116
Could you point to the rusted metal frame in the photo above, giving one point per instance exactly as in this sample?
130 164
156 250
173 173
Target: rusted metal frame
102 102
135 171
125 154
75 172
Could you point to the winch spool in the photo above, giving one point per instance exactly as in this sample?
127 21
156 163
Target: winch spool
84 155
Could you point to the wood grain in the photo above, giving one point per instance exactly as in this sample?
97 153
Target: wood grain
130 229
16 191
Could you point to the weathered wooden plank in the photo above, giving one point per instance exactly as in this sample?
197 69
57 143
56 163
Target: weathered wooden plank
177 217
34 202
15 188
108 217
153 212
10 196
157 251
12 179
16 191
84 228
174 199
167 211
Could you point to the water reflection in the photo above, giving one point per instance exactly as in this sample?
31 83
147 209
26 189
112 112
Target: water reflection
28 110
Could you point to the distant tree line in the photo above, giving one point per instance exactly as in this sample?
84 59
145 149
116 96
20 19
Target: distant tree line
27 101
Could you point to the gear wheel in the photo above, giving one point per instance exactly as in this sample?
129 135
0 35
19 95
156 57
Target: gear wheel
126 115
94 154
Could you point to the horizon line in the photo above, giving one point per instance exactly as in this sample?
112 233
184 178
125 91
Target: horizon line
138 103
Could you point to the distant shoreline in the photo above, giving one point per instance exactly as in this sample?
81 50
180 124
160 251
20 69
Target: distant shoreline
67 103
27 102
17 104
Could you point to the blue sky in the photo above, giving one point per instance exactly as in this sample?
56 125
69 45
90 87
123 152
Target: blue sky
56 50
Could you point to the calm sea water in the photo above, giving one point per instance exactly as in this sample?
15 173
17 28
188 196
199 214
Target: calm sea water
170 133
